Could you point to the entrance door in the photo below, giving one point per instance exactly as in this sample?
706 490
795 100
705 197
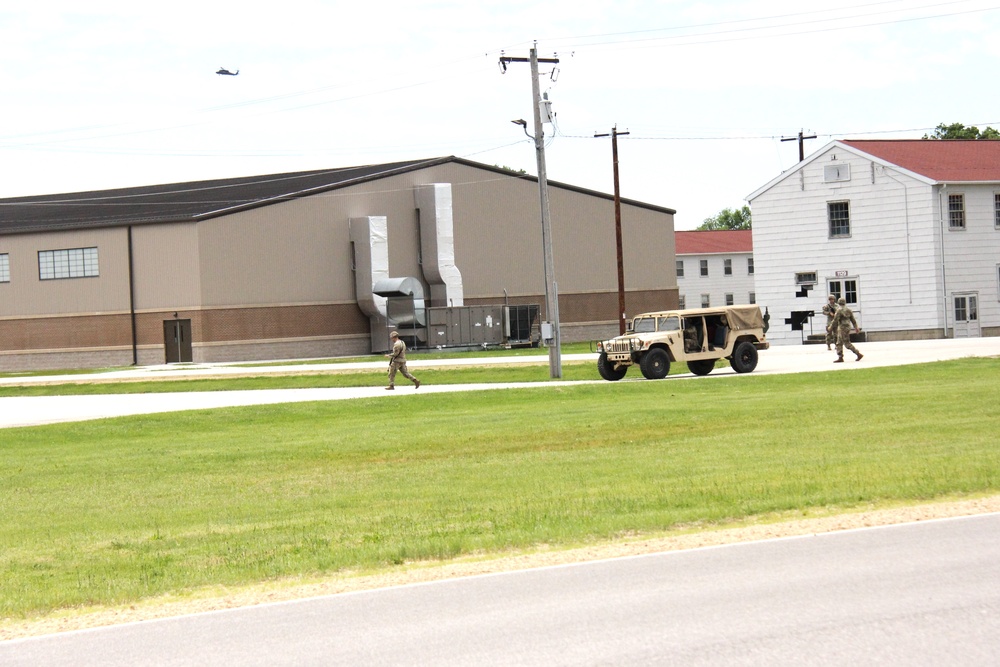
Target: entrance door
177 341
966 315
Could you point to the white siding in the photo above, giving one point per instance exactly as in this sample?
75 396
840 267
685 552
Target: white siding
891 251
972 254
740 284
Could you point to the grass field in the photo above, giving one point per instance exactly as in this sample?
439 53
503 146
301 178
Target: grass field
114 511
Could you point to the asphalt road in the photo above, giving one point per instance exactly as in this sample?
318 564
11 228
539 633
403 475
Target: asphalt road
36 410
915 594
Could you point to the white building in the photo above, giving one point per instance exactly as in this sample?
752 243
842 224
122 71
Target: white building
714 268
908 231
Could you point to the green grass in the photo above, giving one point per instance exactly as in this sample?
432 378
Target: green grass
368 378
114 511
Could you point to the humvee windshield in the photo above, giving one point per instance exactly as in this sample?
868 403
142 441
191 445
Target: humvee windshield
653 324
672 323
644 325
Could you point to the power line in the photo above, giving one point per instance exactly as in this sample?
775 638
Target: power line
759 137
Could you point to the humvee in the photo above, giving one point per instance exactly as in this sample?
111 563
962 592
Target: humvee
697 336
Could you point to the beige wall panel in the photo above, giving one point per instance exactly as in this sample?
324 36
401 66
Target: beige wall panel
165 260
289 253
27 296
299 252
498 237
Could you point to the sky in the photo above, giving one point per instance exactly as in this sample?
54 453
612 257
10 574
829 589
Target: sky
108 94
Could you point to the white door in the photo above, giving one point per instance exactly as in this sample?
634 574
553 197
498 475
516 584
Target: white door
966 315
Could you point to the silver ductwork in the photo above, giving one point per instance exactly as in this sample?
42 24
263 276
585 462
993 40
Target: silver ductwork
404 301
437 244
370 241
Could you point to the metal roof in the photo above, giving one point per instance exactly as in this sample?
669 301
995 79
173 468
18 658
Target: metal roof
200 200
178 202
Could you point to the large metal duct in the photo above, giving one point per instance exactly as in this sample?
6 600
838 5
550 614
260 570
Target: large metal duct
405 301
437 244
370 240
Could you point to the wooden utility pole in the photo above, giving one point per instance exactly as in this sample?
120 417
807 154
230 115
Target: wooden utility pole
551 294
802 152
618 229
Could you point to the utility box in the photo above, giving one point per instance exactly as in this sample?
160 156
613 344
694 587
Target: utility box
465 326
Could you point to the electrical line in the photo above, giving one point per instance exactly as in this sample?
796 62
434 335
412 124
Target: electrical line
761 29
16 141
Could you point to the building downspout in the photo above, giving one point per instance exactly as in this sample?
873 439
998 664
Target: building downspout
944 261
131 299
906 218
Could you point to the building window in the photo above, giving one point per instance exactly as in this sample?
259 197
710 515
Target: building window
956 211
805 278
839 213
706 302
4 268
680 268
681 302
996 211
749 266
752 298
845 288
966 308
727 267
704 267
729 300
74 263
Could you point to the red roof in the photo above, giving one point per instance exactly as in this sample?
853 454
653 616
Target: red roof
940 160
703 243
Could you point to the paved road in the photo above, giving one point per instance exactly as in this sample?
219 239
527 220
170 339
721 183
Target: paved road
915 594
34 410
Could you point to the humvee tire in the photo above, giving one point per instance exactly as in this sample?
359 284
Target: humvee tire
744 358
607 369
655 364
702 367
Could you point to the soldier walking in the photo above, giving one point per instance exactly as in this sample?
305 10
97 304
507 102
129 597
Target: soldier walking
830 309
397 362
843 321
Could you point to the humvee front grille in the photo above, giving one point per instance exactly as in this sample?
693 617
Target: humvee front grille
619 346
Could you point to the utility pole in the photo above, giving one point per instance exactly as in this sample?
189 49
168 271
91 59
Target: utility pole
802 153
551 295
618 229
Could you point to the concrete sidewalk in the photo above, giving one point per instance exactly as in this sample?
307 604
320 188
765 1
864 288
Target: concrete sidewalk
36 410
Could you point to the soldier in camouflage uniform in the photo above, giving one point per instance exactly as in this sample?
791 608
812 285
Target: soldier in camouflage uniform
397 362
843 321
830 309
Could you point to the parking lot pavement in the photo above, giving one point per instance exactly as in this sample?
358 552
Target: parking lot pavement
36 410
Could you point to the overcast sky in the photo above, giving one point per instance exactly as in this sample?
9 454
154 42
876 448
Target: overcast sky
105 94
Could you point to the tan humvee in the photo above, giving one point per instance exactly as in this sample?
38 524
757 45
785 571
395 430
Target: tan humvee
698 336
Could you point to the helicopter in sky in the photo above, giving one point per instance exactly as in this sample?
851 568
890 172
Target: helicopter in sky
223 70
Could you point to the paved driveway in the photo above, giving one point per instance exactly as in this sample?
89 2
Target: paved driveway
36 410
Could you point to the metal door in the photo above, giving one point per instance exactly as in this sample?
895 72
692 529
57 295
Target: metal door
177 341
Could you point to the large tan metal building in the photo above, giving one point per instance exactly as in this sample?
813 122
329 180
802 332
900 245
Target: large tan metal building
302 265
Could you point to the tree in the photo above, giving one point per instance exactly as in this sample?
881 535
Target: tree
728 218
506 168
959 131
